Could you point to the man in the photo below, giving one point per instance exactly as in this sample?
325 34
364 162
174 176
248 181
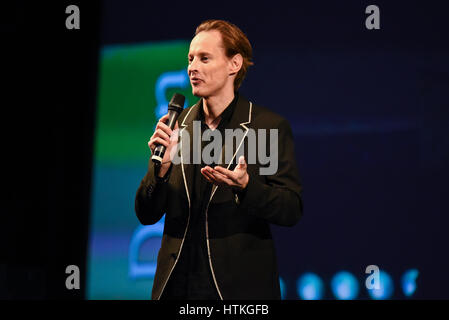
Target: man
217 242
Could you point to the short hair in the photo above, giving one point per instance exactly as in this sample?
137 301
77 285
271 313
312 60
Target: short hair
234 41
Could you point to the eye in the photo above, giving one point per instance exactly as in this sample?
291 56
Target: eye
204 59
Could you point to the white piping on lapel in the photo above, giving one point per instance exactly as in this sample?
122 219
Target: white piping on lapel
188 198
182 161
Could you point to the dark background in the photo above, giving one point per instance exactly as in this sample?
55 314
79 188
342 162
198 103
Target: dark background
369 110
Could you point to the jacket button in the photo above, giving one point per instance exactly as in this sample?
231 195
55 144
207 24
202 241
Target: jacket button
150 190
237 200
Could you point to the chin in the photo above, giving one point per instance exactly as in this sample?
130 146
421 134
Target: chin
197 92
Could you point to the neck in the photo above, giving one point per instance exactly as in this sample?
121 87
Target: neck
213 106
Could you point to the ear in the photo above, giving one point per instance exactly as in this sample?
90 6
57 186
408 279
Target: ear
235 64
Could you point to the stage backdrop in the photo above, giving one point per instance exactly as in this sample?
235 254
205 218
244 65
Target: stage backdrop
370 117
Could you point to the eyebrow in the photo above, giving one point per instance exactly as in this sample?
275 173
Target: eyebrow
202 53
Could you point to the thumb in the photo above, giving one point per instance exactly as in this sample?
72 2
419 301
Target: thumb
242 162
175 135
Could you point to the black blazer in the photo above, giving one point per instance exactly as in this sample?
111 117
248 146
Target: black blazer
240 246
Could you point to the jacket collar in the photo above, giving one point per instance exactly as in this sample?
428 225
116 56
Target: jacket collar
240 117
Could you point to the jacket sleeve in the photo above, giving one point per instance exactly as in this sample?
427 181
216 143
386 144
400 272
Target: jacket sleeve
151 196
278 199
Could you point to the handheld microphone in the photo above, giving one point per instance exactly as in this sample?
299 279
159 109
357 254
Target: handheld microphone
175 107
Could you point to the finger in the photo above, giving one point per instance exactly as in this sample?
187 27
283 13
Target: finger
162 134
222 179
221 175
164 118
208 179
228 173
242 162
208 176
209 169
154 142
207 173
151 145
164 127
158 140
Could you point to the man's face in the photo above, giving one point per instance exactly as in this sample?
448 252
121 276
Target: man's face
208 64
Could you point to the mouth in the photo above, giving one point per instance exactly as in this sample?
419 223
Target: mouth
195 80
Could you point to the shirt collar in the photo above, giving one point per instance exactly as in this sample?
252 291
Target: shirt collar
227 112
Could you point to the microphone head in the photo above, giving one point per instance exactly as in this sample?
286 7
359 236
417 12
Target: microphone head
177 102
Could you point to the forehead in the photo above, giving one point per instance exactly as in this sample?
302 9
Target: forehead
206 41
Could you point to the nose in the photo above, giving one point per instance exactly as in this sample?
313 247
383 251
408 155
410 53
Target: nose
192 68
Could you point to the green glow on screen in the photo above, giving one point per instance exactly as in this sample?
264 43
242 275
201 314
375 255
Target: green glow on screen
126 115
125 121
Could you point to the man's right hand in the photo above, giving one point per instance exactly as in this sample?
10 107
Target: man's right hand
162 136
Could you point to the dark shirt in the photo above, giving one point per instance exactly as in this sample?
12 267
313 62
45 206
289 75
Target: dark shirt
192 276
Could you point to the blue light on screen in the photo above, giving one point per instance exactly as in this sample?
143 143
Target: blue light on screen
310 287
138 269
386 287
283 288
408 282
344 286
170 79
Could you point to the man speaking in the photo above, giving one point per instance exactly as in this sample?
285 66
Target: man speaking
217 242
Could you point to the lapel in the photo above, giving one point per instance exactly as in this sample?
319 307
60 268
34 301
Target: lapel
241 118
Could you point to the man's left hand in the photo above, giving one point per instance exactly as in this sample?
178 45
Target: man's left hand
221 176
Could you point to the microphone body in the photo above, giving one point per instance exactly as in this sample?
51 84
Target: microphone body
175 107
